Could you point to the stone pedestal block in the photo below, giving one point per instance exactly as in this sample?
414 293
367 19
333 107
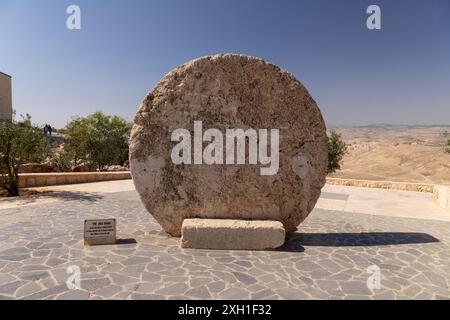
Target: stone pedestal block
232 234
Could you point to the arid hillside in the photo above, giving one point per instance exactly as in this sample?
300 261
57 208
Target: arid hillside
396 153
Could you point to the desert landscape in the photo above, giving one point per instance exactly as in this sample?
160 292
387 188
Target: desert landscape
395 153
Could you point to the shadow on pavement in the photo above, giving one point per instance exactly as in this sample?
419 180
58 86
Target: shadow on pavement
74 195
295 241
126 241
61 195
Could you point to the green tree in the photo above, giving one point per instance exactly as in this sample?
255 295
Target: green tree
98 139
337 148
447 145
20 142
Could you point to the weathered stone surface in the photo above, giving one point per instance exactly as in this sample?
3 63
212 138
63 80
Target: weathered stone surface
232 234
228 92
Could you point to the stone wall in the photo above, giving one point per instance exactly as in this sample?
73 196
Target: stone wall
5 97
392 185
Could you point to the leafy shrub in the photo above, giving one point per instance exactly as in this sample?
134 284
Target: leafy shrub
98 139
20 142
337 149
62 161
447 145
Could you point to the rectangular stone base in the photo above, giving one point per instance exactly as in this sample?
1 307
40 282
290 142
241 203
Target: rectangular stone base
232 234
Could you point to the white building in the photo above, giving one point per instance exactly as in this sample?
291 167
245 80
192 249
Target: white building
5 97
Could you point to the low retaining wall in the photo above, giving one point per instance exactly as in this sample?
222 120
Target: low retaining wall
402 186
441 193
28 180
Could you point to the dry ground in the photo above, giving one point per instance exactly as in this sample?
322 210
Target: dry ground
396 153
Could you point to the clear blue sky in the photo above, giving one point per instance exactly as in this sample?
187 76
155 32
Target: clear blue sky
399 75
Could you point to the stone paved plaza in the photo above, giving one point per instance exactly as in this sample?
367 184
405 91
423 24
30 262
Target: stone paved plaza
326 259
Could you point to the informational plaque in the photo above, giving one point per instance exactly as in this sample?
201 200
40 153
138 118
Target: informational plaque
99 231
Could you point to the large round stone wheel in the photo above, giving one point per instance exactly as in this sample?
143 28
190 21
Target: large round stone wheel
229 92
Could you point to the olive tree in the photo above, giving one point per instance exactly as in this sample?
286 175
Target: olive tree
98 140
20 142
447 144
337 149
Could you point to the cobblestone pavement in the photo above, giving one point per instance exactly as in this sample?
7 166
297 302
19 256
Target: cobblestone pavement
327 259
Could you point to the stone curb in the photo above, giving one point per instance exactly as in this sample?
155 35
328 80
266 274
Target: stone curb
28 180
392 185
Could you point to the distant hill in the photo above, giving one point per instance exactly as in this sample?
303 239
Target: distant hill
397 153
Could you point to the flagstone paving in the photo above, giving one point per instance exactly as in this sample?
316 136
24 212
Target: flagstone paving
328 258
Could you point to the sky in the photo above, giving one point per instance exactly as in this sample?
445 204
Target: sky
397 75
